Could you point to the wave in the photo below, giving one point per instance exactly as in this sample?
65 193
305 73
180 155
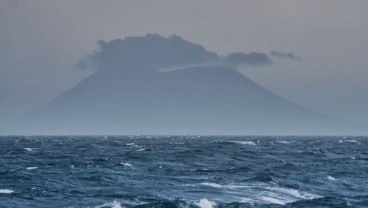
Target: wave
126 164
6 191
283 142
205 203
114 204
244 142
262 193
209 172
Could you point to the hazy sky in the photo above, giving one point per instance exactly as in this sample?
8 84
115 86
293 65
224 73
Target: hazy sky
41 40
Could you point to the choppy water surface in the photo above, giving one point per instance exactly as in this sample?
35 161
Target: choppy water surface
205 172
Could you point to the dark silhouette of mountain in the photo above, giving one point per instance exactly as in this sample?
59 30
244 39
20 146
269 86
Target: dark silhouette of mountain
129 95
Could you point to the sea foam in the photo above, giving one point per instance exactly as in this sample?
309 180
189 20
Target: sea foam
244 142
263 193
126 164
114 204
6 191
205 203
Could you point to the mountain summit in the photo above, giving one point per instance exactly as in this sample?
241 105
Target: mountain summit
158 85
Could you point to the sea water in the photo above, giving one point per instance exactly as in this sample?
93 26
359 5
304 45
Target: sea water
183 171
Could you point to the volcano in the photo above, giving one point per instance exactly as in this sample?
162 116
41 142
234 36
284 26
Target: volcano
169 86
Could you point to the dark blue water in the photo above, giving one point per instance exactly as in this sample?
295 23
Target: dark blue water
205 172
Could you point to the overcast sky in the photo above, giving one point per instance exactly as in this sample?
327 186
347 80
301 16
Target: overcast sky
41 41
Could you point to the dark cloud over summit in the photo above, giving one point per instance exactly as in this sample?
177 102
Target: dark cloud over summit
153 52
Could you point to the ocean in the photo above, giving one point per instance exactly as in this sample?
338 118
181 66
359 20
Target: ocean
183 171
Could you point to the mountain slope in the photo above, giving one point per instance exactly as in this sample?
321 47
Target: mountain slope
198 100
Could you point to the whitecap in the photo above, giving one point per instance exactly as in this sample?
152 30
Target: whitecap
229 186
205 203
331 178
199 169
261 193
246 200
293 192
349 140
126 164
244 142
31 168
6 191
28 149
272 200
133 203
138 150
114 204
214 185
283 142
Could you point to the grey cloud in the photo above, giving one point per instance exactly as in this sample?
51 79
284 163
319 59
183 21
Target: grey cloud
247 59
87 63
150 52
284 55
154 52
